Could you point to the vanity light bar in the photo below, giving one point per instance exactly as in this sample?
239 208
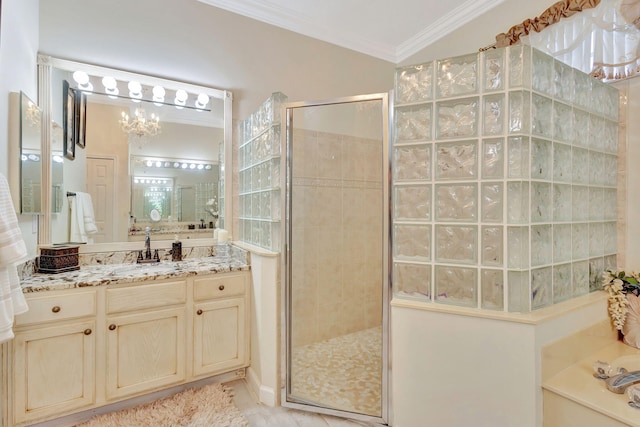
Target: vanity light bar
174 164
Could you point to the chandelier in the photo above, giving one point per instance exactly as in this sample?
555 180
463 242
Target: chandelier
139 125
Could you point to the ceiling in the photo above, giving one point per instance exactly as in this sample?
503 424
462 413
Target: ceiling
389 30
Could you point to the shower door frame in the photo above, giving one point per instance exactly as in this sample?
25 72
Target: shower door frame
286 184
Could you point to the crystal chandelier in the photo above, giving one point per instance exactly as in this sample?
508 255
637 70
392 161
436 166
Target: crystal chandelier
139 125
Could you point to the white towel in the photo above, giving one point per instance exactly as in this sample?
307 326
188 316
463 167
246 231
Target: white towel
83 221
12 251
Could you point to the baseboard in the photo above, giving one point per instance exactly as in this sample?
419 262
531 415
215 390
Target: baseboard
266 395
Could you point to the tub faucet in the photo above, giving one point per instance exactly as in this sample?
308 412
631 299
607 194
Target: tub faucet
147 246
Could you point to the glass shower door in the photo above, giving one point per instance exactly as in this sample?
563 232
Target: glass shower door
336 257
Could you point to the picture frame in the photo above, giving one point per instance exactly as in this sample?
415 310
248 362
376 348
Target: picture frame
69 120
81 118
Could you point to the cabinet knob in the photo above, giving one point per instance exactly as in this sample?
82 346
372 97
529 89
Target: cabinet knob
87 331
199 312
221 287
55 309
112 327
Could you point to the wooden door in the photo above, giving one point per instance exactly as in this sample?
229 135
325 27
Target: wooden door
219 335
145 351
53 370
101 187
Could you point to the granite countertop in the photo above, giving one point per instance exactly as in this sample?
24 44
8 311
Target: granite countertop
109 274
578 384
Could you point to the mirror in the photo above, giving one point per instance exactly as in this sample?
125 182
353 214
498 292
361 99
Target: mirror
30 156
120 151
57 172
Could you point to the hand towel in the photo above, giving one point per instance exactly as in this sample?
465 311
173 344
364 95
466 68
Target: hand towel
82 218
12 251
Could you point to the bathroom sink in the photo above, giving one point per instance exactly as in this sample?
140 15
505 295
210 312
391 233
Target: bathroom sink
142 269
630 362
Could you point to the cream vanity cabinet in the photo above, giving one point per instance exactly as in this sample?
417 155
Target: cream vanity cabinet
82 348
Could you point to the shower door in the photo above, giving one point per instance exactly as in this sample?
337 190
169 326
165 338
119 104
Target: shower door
335 263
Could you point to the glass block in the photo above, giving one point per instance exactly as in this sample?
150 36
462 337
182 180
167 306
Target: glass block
581 127
610 168
413 123
519 296
541 245
412 162
580 277
256 206
493 113
579 165
541 113
457 243
414 83
596 207
582 84
492 242
612 101
518 157
519 66
457 160
519 112
412 280
456 202
273 143
563 81
412 242
541 202
580 241
275 173
562 206
580 203
610 238
457 76
596 267
541 287
610 137
561 162
596 236
597 93
542 72
275 236
266 205
247 231
248 213
562 122
596 168
494 72
562 243
610 262
276 206
492 158
456 285
518 202
412 202
458 118
541 160
610 201
492 289
265 240
518 247
596 132
492 196
562 289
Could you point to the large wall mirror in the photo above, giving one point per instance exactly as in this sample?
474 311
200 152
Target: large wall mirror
30 156
147 151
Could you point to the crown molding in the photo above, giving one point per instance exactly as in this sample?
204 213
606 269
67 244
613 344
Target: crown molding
453 20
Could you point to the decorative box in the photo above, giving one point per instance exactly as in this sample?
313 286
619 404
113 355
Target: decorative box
58 259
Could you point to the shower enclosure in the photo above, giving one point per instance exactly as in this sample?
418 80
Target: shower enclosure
336 257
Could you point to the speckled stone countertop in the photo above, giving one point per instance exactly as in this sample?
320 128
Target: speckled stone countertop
109 274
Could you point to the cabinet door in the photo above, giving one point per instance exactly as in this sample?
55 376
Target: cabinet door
220 336
53 370
145 351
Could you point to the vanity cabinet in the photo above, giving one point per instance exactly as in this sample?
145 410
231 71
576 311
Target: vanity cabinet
220 337
146 340
83 348
52 357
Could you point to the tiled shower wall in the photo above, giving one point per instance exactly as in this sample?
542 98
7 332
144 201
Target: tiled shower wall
504 180
337 207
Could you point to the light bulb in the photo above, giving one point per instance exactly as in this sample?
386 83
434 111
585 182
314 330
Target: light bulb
192 166
208 167
109 82
81 77
202 101
158 164
149 163
184 166
135 90
200 167
158 91
181 95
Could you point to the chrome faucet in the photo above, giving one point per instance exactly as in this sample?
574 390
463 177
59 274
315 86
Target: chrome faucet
147 245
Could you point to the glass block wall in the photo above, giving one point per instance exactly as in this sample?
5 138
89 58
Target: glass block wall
504 180
259 176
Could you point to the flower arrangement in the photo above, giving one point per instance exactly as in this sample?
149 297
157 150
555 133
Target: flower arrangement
618 284
211 207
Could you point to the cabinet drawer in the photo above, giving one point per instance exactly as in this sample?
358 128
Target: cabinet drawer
138 297
47 308
218 287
